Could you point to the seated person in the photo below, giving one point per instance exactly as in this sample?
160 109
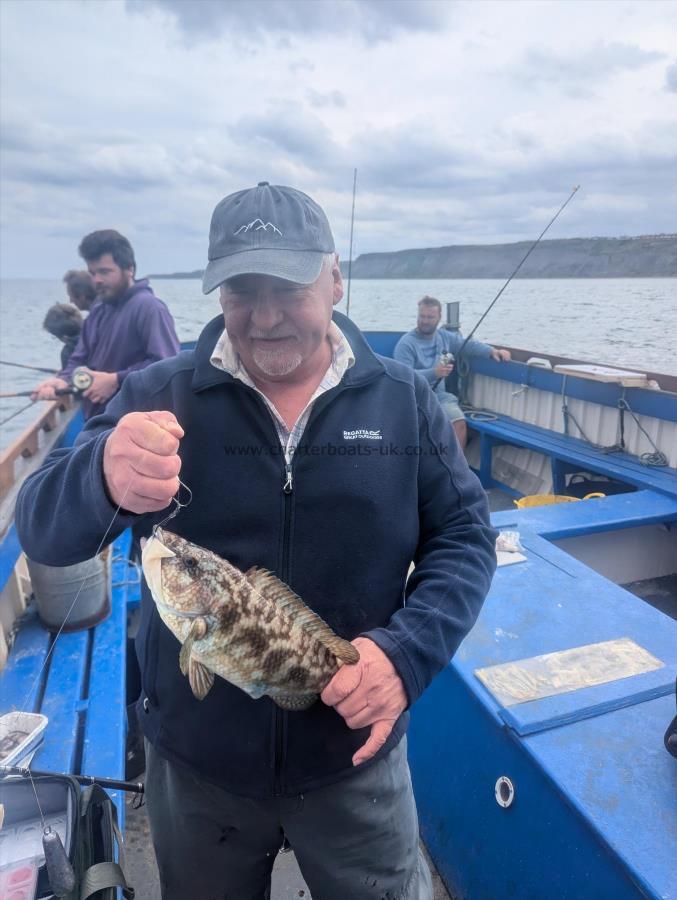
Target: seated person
424 348
64 321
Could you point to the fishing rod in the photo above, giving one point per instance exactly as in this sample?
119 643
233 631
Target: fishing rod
59 392
517 268
81 378
350 253
17 412
6 362
131 787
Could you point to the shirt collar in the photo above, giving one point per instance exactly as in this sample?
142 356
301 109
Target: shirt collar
225 358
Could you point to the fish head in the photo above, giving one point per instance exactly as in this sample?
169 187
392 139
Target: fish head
180 576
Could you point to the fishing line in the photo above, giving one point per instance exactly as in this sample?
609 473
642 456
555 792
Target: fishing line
175 512
23 409
59 869
79 591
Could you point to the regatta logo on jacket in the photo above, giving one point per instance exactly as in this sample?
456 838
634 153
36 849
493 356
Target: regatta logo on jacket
258 225
363 434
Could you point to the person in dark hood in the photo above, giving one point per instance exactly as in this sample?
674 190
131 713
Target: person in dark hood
64 321
127 329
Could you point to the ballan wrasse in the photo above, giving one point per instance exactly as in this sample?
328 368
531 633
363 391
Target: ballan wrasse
250 628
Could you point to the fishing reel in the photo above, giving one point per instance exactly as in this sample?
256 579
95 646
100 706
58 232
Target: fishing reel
446 359
81 379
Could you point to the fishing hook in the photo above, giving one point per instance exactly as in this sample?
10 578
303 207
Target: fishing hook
177 509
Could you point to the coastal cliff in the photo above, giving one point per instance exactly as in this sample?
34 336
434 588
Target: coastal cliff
646 256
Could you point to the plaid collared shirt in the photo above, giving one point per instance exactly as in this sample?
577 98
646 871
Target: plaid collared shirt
226 359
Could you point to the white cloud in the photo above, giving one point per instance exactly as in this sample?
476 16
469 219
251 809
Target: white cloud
463 127
671 78
372 20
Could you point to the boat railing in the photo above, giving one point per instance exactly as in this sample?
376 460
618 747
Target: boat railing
21 458
31 441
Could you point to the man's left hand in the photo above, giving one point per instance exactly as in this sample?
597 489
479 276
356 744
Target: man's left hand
370 692
500 355
103 386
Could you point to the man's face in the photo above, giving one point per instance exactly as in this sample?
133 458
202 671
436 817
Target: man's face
279 327
428 319
110 281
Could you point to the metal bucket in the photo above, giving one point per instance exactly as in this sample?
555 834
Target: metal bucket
55 589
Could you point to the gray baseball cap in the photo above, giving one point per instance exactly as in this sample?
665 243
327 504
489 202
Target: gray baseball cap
267 230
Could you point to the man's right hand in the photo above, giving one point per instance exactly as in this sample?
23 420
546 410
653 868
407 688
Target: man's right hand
141 462
45 390
441 371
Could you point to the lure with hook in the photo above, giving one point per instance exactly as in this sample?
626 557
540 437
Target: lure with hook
177 509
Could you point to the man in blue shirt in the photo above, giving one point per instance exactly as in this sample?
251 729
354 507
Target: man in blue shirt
424 348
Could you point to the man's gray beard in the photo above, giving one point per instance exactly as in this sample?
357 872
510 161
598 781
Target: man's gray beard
277 363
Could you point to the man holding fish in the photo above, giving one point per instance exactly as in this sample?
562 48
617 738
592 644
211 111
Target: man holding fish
317 472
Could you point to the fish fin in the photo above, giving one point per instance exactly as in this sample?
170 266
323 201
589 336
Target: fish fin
295 702
198 629
184 655
276 591
200 677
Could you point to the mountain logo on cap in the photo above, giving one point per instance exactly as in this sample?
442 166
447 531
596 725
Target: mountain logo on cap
258 225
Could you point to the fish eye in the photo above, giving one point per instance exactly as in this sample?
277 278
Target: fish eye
190 562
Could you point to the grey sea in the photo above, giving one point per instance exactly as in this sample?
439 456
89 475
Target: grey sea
620 321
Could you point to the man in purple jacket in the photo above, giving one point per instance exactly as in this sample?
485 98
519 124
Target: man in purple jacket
127 329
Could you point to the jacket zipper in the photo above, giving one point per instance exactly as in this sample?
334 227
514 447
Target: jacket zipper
281 714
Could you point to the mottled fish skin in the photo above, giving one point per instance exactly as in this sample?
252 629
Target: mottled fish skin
249 628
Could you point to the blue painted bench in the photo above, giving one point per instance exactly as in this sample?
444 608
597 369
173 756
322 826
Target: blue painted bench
567 454
567 520
81 687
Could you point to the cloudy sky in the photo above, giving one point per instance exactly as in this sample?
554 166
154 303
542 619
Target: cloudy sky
468 122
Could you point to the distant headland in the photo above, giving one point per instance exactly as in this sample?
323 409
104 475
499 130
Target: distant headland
646 256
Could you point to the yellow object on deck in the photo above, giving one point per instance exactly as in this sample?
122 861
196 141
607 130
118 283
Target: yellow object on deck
549 499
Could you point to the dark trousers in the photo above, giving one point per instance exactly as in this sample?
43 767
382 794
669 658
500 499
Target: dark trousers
354 840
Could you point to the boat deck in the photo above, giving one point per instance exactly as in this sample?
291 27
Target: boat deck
579 731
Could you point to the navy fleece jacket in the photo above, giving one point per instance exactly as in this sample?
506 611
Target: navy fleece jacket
379 481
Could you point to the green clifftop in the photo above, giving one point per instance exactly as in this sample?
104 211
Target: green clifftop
647 256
